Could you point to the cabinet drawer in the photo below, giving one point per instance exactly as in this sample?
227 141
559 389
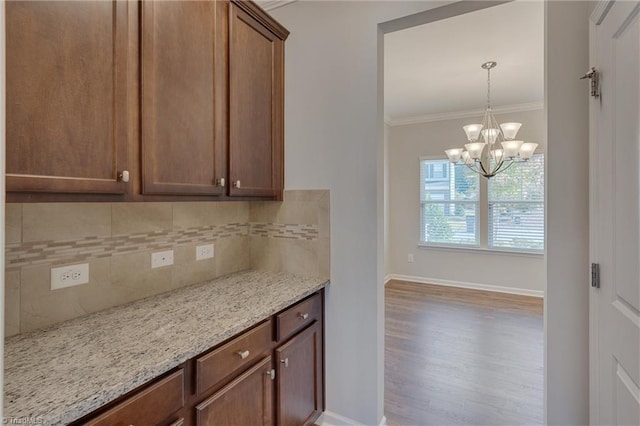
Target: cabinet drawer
233 356
151 405
297 317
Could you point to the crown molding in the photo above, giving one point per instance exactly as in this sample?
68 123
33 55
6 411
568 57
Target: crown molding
429 118
274 4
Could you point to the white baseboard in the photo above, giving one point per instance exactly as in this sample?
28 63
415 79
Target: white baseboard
387 278
461 284
329 418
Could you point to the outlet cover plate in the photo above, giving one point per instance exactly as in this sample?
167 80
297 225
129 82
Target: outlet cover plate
161 258
69 276
205 251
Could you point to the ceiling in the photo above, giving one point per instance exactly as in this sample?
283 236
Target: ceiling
433 70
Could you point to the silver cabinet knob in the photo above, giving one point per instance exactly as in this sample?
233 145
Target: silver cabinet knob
236 184
243 354
285 362
271 373
123 176
303 316
221 182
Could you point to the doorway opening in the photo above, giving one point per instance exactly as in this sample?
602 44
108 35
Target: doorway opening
464 255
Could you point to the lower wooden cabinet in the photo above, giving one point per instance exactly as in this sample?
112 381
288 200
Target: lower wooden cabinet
247 400
269 374
299 369
153 405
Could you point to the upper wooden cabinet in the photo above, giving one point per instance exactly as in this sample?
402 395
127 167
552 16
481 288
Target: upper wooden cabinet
184 96
256 74
183 74
70 86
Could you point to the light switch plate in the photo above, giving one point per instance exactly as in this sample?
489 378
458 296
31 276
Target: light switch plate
205 251
161 258
69 276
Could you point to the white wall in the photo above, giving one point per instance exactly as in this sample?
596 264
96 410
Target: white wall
2 197
333 137
386 205
407 143
567 295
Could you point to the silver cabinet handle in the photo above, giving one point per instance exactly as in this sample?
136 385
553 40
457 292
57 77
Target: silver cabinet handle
243 354
236 184
220 182
271 373
303 316
285 362
123 176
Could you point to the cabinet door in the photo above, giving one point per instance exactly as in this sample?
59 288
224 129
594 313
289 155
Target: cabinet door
248 400
299 375
256 75
183 74
71 88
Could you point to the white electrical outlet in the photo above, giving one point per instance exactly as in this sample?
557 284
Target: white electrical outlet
69 275
161 258
204 252
410 258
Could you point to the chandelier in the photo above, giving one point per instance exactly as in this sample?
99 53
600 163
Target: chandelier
498 150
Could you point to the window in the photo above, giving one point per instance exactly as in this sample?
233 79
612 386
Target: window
516 207
512 207
449 203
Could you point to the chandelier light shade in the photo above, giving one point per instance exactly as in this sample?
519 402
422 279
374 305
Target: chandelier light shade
492 147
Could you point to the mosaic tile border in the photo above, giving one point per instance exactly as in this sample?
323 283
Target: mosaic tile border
51 252
282 230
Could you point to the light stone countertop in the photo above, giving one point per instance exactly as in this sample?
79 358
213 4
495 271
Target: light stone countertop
61 373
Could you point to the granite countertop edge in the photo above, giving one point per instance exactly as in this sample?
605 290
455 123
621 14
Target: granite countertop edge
54 410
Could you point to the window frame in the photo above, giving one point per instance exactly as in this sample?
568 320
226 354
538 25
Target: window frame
423 203
482 219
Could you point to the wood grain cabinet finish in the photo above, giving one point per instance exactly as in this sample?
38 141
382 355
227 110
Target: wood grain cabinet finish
183 72
247 400
299 372
71 87
256 85
233 356
152 406
298 317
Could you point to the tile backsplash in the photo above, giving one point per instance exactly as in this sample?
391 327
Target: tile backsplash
117 240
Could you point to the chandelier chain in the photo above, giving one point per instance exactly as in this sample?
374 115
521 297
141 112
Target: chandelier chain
489 88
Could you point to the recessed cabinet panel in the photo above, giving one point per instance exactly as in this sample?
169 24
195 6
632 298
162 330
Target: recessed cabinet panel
248 400
299 372
255 107
182 45
70 91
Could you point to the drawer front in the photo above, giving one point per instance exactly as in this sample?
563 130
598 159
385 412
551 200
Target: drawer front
151 405
298 317
233 356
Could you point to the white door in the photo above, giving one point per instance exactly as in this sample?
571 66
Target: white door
615 220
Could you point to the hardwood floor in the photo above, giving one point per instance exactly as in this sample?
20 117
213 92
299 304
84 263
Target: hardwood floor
462 357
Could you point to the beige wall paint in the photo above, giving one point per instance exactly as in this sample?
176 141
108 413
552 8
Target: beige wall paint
407 143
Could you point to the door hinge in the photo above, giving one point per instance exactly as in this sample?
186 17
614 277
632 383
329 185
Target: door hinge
594 76
595 275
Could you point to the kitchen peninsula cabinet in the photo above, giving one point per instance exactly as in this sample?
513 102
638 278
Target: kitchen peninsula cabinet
144 101
70 94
